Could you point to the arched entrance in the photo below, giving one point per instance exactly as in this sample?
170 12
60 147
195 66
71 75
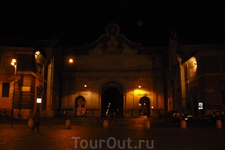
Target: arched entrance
144 106
112 100
80 107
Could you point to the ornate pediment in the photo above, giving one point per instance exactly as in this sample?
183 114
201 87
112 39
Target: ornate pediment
112 46
113 43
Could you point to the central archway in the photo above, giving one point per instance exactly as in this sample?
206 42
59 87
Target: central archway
112 100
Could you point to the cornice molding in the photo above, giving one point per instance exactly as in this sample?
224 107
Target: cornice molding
129 75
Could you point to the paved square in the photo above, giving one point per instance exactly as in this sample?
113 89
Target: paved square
121 134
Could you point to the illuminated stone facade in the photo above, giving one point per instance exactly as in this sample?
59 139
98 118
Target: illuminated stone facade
112 68
112 77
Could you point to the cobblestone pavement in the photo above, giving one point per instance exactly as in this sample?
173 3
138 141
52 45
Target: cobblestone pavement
122 133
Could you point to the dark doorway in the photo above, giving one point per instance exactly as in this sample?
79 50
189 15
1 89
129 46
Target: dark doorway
112 103
144 106
80 106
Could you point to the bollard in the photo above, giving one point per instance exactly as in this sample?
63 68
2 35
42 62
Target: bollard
68 124
30 123
183 124
105 124
147 124
218 124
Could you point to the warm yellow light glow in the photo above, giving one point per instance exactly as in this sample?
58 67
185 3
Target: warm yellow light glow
139 86
85 85
140 91
192 66
70 60
13 62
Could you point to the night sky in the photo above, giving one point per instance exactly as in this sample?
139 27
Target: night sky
143 21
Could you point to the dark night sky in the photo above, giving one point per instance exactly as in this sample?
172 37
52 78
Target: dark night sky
145 21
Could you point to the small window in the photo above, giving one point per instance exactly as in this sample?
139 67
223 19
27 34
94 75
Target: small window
200 105
5 89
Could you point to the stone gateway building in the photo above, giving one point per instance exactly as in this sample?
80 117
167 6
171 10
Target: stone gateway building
111 77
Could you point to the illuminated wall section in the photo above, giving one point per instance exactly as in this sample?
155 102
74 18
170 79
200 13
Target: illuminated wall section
192 68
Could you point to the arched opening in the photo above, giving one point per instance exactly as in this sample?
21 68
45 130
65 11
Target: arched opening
144 106
80 106
112 100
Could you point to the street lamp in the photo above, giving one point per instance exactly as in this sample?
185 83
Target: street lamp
14 64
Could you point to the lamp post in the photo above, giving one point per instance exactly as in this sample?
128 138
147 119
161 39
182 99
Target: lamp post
14 64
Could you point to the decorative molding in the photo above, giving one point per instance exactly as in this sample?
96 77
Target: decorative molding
112 62
129 75
144 62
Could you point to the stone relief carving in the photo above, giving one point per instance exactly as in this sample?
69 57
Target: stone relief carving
114 43
112 46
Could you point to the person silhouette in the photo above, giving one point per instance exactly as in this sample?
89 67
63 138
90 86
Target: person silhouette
36 121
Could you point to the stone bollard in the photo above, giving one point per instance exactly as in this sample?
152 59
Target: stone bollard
30 123
183 124
105 124
218 124
147 124
68 124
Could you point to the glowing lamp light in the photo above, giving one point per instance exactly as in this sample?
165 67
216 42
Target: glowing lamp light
70 60
37 53
13 62
85 85
139 86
